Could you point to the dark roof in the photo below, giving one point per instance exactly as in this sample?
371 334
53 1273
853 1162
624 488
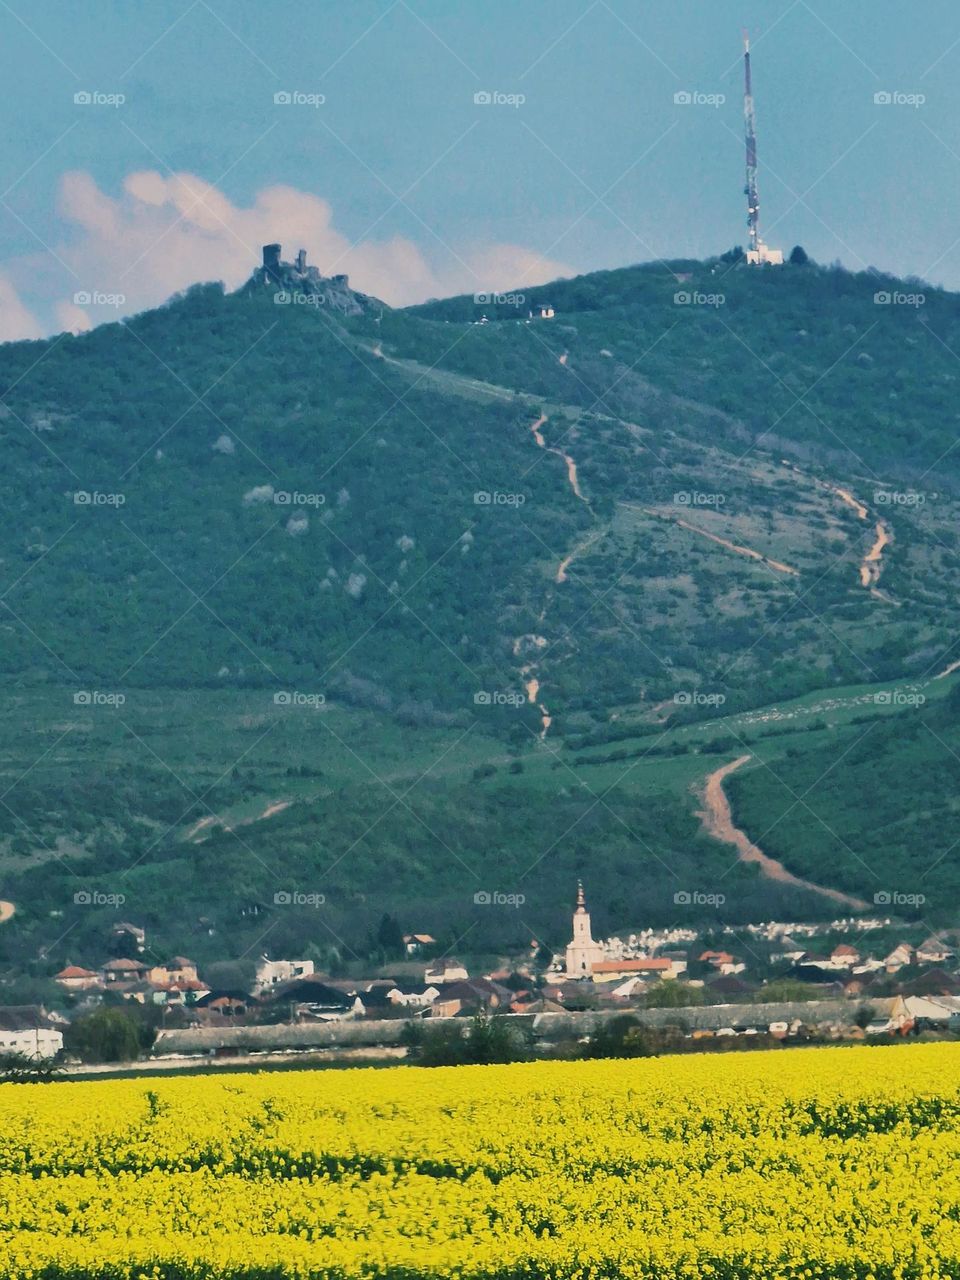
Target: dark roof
23 1017
311 990
933 982
730 985
475 990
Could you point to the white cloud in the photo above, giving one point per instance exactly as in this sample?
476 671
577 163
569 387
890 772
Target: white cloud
164 233
16 319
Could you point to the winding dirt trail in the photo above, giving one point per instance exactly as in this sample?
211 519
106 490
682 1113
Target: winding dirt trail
846 496
570 464
578 550
872 565
749 552
717 820
528 673
948 671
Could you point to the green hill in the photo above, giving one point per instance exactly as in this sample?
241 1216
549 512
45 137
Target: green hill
393 609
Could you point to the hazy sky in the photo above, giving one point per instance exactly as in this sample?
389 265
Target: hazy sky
583 160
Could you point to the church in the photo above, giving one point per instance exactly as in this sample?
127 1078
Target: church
582 953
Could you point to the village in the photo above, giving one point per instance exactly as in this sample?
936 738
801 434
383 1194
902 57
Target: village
775 980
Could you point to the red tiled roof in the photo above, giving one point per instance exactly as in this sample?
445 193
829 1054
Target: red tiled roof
632 966
74 971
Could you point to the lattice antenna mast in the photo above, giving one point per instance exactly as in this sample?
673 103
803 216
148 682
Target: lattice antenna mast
750 131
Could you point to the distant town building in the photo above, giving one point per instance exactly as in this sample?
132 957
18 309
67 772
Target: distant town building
74 978
28 1032
583 954
415 942
269 973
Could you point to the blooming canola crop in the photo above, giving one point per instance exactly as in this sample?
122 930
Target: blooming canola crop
811 1163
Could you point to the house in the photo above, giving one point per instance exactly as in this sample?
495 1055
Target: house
843 956
542 312
452 971
471 996
415 942
899 957
542 1005
934 951
617 970
224 1004
122 970
419 998
678 960
125 931
28 1032
73 978
270 973
180 969
632 988
179 993
313 998
789 950
933 982
722 961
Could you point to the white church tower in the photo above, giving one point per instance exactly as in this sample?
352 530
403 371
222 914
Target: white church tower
582 953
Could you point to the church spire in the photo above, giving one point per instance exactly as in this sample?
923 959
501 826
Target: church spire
581 899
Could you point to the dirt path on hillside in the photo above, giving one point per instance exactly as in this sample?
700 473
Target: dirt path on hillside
717 820
528 673
570 464
578 550
749 552
872 564
7 911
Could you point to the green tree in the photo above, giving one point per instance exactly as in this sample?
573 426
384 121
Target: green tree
107 1035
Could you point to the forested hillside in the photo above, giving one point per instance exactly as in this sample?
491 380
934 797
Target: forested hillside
397 607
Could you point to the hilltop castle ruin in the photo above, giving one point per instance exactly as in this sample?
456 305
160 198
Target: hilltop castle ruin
298 283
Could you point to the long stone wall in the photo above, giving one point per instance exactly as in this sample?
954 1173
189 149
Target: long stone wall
545 1026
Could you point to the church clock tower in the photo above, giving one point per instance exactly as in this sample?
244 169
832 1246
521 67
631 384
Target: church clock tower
582 953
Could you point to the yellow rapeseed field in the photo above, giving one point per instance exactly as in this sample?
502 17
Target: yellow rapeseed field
827 1163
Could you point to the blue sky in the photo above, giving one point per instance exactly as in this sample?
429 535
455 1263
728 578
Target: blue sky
400 178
